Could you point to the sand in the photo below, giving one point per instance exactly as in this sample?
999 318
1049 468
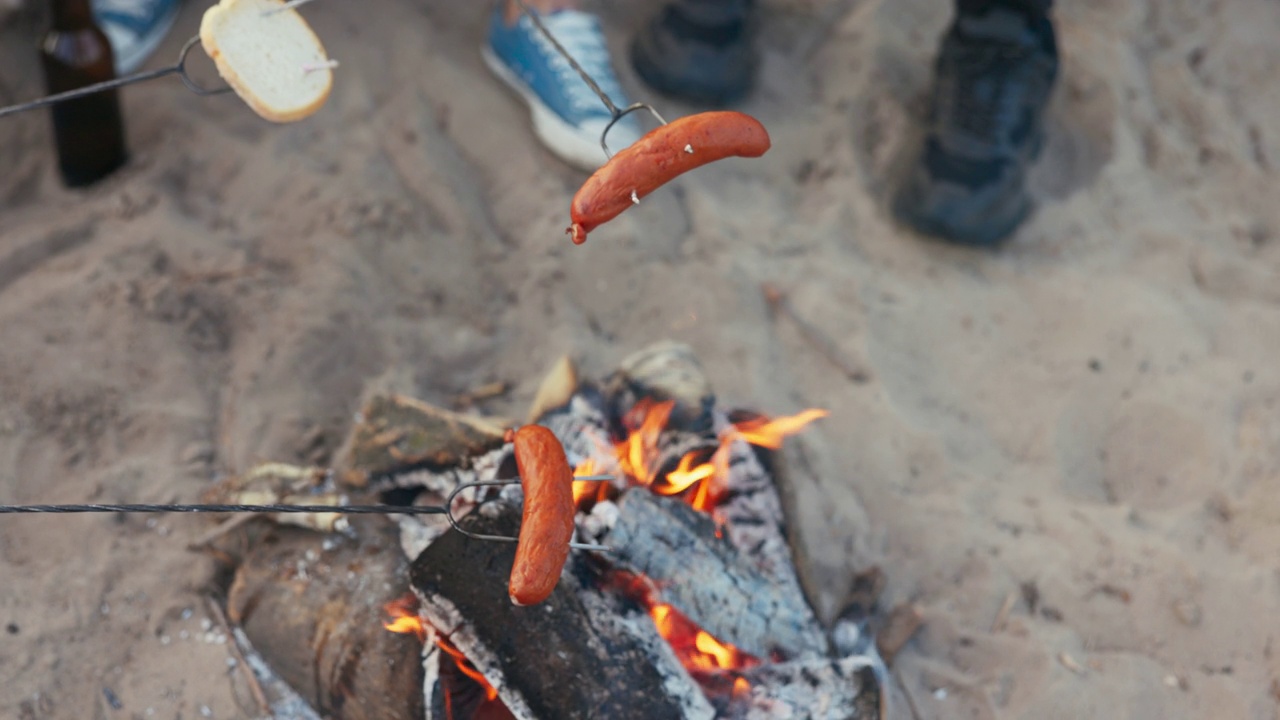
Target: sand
1083 424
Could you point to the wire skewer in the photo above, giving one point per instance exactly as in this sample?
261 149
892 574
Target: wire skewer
180 69
377 509
614 110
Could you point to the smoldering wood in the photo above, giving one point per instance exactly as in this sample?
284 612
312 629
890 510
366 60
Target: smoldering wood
561 659
312 605
665 370
396 434
708 580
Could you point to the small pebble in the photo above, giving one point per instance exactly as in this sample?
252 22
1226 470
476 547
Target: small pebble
205 711
206 624
186 613
164 639
940 693
1187 612
232 663
112 700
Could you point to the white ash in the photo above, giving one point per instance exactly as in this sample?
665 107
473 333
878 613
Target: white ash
444 616
811 689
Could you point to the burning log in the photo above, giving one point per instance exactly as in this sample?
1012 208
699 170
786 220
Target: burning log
571 657
708 580
312 606
665 370
397 434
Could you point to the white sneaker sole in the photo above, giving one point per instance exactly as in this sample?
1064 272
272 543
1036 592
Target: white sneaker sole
560 137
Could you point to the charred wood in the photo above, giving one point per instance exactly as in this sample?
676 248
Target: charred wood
312 606
560 660
665 370
397 434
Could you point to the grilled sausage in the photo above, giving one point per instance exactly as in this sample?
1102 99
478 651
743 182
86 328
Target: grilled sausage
661 155
547 523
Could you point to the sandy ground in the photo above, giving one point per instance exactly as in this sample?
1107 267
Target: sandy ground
1085 422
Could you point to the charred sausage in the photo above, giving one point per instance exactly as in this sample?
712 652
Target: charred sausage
661 155
546 526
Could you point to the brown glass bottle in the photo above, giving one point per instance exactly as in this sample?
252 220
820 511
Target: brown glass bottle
88 131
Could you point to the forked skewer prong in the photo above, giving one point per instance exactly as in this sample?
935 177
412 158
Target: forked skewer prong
619 114
448 513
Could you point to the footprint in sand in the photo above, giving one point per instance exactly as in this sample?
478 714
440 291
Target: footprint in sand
1155 457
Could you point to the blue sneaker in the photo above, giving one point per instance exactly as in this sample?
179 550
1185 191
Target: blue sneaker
567 116
135 28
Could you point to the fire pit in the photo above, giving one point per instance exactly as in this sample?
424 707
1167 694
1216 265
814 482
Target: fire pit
696 610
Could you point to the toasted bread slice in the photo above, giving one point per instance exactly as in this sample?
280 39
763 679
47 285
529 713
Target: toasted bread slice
273 60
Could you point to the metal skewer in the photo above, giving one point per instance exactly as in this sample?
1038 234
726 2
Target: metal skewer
180 69
616 112
378 509
448 503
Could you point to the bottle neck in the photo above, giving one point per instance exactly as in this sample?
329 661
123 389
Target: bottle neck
72 14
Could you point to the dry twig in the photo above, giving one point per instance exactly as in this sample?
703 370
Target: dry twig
821 342
255 687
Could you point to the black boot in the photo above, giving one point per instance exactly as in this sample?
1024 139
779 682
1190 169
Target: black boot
698 50
994 75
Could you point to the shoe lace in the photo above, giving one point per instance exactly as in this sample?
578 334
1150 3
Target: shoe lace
582 37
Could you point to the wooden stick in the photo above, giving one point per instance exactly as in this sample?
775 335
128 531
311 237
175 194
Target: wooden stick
819 340
254 686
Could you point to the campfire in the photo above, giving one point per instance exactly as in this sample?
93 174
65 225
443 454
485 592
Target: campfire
696 609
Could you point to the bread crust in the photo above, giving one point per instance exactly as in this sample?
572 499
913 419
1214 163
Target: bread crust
209 25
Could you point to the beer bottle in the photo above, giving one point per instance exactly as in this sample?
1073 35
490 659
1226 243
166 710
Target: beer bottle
88 131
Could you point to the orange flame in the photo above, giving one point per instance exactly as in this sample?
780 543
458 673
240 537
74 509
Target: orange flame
684 476
765 432
404 617
695 647
587 493
465 666
703 483
639 452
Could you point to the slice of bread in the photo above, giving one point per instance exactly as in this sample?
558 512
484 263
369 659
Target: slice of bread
273 60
